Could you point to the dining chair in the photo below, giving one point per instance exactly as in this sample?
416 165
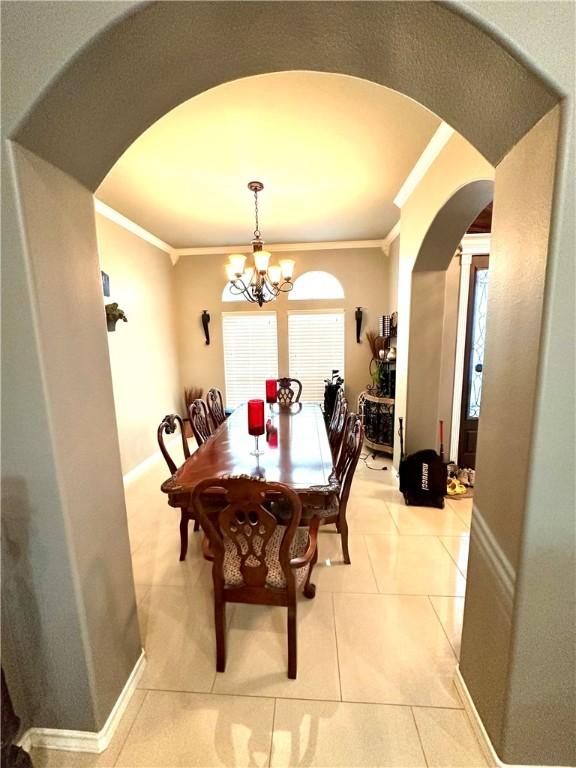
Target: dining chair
347 461
337 424
289 391
199 421
260 554
168 426
215 406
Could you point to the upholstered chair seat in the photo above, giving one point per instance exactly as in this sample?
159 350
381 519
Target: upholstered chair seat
275 577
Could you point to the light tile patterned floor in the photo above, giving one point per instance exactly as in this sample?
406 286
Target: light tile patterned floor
377 648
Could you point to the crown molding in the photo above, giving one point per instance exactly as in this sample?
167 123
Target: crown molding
436 144
131 226
476 245
390 237
218 250
323 245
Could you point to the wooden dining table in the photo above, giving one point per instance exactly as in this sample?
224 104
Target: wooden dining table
301 459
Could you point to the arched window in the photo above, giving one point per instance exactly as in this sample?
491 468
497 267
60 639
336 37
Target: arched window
227 294
316 285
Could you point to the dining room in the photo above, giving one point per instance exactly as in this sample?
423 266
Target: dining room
86 666
200 335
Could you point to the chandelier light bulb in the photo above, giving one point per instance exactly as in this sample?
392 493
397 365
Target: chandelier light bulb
287 267
261 259
237 261
275 274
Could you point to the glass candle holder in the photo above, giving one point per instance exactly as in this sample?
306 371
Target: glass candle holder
256 422
273 437
271 392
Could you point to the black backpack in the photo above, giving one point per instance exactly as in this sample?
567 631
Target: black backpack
423 477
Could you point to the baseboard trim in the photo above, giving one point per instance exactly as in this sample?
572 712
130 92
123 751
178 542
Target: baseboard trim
477 724
479 730
135 472
86 741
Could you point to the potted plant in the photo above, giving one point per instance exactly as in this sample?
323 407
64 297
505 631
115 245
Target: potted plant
113 314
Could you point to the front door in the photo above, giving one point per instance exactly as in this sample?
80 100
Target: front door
473 361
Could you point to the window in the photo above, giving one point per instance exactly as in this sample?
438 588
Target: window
478 340
316 347
250 354
316 285
227 295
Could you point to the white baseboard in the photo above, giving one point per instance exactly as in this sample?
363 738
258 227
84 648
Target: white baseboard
86 741
477 724
139 469
478 727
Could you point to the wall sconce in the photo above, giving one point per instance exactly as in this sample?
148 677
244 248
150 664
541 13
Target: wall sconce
358 316
206 325
113 314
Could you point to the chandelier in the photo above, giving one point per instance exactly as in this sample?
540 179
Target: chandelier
261 282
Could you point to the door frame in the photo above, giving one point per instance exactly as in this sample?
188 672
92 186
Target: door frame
479 262
472 245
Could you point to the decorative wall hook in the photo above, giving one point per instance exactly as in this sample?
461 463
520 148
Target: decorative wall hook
206 324
358 316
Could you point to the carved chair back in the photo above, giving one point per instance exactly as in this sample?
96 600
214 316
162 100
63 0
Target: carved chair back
199 421
336 434
215 406
247 540
289 391
168 426
336 411
348 457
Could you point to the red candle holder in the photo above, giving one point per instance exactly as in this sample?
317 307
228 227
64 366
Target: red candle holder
271 392
273 437
256 422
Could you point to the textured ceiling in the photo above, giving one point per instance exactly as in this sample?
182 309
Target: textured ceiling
331 150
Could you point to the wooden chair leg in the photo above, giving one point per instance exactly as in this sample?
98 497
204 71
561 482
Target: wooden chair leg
184 519
292 641
309 588
344 537
220 626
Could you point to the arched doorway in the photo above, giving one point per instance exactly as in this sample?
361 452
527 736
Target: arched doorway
71 137
432 344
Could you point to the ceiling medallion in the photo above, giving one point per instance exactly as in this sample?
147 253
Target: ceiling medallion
259 283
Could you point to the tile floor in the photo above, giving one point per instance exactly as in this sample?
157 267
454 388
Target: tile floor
377 648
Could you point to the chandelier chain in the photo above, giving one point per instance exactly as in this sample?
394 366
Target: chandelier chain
257 230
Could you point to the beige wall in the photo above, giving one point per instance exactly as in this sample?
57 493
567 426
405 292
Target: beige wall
393 267
69 602
201 279
519 665
432 359
448 353
143 352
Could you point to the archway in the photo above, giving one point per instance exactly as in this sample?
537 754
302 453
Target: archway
72 136
430 338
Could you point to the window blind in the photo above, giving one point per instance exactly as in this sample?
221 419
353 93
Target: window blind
250 354
316 347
